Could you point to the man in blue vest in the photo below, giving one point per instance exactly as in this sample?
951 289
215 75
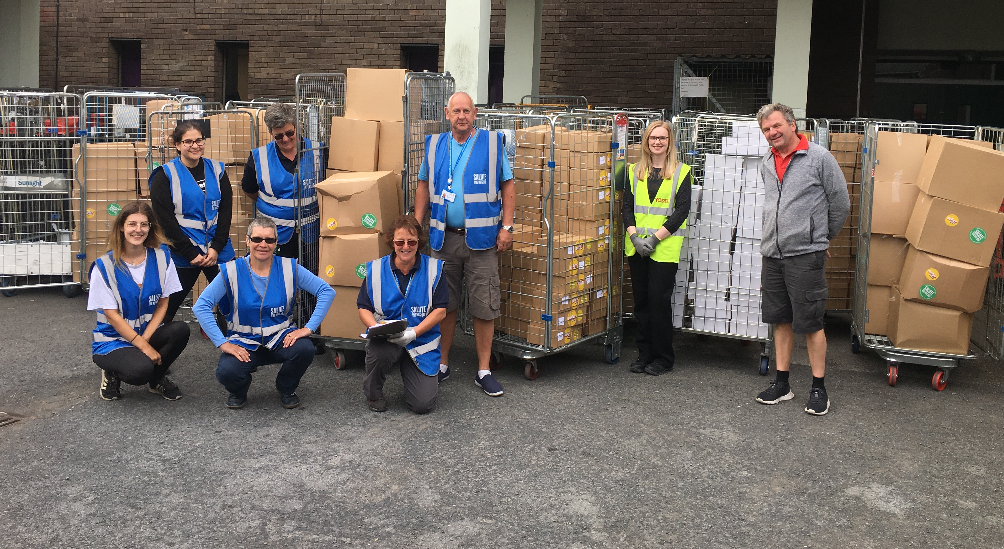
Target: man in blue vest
467 187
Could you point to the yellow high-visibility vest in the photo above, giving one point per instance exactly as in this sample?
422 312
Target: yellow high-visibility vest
650 215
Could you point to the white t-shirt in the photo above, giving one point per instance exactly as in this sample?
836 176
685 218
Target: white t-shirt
100 295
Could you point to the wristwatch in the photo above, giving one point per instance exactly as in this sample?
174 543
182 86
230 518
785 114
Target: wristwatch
508 228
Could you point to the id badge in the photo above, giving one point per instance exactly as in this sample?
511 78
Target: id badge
449 196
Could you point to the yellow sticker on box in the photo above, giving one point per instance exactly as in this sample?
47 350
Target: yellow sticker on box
932 274
951 220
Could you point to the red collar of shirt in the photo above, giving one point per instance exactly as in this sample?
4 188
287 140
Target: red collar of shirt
781 162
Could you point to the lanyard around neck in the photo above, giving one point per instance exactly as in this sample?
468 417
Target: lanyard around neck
453 165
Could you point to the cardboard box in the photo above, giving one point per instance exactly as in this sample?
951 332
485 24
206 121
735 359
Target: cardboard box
953 230
528 163
109 167
941 281
342 319
354 145
845 142
963 172
391 154
886 255
877 304
358 202
375 94
533 136
924 327
102 208
343 258
899 156
892 205
232 135
590 141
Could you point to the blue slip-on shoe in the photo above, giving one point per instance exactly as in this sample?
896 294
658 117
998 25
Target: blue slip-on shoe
490 385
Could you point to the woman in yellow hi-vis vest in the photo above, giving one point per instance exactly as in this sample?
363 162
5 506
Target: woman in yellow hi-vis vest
656 205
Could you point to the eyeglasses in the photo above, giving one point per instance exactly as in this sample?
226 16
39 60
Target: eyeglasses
658 139
191 142
401 243
260 239
289 134
134 224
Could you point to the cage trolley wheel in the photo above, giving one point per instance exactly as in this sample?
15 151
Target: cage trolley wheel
531 370
340 360
855 344
893 374
939 380
495 361
764 365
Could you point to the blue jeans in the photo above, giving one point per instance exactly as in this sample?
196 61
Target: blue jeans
236 375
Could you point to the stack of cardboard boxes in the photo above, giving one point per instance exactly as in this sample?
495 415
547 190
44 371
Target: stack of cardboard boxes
924 291
846 149
362 194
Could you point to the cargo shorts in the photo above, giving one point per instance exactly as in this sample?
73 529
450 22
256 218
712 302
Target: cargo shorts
794 291
480 268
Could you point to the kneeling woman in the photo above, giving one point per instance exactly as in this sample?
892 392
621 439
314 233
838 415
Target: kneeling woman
256 294
404 285
129 289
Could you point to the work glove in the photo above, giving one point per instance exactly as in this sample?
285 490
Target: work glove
403 338
652 241
641 246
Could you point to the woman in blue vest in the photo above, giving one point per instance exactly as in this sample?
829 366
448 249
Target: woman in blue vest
404 285
192 198
656 206
256 294
129 289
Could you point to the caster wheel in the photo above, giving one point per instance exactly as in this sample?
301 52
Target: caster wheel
612 356
764 365
893 374
71 291
6 282
939 380
855 344
531 370
495 361
340 360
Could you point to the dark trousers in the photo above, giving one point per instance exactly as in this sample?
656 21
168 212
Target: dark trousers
652 283
236 375
420 390
188 276
135 368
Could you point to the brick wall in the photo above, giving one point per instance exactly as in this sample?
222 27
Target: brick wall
613 53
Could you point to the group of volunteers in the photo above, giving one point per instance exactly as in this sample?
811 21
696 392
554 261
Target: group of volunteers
466 186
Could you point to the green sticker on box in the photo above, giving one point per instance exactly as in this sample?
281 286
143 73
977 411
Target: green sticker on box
977 235
369 220
114 208
361 270
928 292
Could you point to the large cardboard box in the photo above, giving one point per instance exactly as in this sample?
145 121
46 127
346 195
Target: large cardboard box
877 305
937 280
391 157
342 319
354 145
533 136
358 202
924 327
232 135
375 94
954 230
899 156
102 208
528 163
590 141
963 172
886 255
109 167
343 257
892 205
845 142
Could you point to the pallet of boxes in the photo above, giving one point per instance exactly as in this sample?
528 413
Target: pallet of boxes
362 194
846 149
581 243
935 224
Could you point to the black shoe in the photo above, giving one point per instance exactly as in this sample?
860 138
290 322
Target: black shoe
289 401
818 403
638 366
318 347
379 405
657 368
166 388
111 386
777 392
234 402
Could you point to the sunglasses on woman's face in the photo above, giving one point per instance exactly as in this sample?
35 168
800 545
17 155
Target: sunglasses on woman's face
289 135
260 239
401 243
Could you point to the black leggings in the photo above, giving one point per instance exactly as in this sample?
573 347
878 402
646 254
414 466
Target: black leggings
135 368
188 276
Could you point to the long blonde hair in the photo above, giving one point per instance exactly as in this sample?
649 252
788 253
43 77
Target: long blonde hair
643 166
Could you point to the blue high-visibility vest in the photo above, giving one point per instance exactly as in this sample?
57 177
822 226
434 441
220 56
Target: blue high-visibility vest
254 320
197 212
135 304
278 195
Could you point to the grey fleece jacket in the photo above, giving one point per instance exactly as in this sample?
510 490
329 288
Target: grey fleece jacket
804 213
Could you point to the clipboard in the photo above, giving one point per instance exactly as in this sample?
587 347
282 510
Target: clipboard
386 329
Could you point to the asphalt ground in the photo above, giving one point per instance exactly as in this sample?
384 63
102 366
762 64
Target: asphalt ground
588 455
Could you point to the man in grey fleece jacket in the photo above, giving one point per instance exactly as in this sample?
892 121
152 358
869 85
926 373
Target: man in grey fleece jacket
805 207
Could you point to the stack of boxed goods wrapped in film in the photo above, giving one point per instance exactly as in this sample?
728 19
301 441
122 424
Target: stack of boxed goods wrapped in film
935 223
362 194
846 149
581 227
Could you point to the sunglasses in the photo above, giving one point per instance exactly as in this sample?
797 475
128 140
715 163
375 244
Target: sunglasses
260 239
401 243
289 134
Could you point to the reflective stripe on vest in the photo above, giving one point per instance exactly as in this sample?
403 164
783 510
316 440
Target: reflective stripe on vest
198 225
278 194
253 331
135 304
649 218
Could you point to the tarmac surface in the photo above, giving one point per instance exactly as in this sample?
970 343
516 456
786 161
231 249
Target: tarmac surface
588 455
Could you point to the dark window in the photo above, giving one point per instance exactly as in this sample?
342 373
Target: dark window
420 57
130 59
496 73
235 70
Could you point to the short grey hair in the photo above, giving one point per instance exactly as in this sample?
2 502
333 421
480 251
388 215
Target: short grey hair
771 108
264 223
278 115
